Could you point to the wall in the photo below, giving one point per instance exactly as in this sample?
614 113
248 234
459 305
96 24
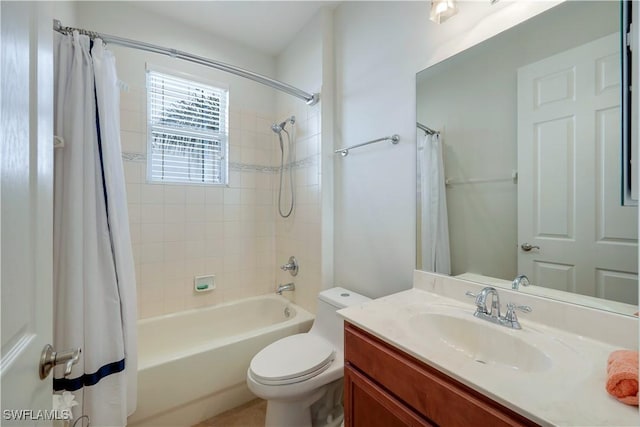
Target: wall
480 142
301 64
182 231
380 46
65 12
374 230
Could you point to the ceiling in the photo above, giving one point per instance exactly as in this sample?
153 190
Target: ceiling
267 26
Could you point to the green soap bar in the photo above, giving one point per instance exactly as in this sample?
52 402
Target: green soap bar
199 287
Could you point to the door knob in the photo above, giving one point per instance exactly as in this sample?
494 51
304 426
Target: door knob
50 358
527 247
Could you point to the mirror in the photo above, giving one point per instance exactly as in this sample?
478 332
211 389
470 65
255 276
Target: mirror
529 124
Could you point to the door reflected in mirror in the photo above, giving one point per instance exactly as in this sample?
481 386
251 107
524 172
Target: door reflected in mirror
530 125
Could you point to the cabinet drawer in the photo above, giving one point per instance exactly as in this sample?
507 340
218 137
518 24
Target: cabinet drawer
426 390
367 405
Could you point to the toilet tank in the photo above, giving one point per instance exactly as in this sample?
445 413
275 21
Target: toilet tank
328 323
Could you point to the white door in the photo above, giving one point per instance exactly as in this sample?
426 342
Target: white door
26 205
569 172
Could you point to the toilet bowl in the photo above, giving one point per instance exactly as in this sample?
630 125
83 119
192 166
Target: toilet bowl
300 376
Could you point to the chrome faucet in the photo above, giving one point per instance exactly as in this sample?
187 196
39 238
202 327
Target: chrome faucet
481 303
510 320
520 279
287 287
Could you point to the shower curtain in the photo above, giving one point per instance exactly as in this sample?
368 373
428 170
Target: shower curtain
435 225
94 278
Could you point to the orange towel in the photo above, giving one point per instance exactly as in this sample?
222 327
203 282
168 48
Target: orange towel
622 376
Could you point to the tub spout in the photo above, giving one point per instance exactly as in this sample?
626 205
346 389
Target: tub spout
287 287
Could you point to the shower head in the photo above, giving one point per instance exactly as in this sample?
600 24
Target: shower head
277 128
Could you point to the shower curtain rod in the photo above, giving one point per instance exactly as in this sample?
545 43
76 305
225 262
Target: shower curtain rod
309 98
427 129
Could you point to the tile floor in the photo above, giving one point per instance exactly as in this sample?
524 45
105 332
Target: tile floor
251 414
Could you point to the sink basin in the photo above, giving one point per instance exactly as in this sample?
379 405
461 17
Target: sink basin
480 341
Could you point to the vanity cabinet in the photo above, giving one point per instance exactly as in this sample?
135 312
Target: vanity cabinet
386 387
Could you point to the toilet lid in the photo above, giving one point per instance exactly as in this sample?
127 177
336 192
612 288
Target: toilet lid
292 359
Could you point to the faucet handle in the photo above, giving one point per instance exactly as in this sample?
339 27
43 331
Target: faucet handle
522 308
291 266
511 311
481 306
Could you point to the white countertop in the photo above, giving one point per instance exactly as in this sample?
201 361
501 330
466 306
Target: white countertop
574 396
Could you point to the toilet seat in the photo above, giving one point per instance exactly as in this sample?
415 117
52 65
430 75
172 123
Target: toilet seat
292 359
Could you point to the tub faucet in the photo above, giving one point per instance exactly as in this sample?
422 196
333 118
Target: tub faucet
520 279
287 287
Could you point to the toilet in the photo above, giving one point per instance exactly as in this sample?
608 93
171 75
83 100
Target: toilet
300 376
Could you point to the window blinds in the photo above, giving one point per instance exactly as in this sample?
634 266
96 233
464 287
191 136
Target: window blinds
187 131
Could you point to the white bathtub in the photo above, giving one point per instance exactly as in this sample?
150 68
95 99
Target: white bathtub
192 365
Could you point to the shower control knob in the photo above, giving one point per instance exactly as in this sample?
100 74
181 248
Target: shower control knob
291 266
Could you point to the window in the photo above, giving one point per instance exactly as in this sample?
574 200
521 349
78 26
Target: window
187 131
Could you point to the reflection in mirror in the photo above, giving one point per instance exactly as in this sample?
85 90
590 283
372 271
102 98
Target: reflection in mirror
529 122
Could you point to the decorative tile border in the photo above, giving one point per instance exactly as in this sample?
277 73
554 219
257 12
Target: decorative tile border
237 166
303 163
245 167
134 157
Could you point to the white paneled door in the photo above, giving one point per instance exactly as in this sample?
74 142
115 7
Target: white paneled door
26 208
569 175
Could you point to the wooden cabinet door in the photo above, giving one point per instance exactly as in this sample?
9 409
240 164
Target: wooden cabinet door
414 386
367 405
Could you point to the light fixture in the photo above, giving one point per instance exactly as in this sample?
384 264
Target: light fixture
441 10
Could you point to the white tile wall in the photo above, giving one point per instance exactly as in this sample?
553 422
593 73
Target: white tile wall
182 231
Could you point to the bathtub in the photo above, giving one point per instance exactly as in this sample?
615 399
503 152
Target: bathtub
192 364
